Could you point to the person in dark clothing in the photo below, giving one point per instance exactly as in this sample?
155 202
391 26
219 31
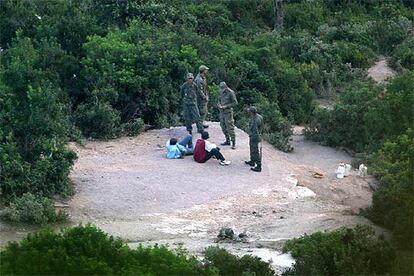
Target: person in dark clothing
208 151
255 137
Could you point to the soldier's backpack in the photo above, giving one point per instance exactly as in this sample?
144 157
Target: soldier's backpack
200 151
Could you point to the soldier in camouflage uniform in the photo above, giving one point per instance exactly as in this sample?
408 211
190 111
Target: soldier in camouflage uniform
227 100
202 95
190 110
255 138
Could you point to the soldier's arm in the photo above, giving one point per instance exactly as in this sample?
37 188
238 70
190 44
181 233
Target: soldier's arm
233 100
200 90
260 126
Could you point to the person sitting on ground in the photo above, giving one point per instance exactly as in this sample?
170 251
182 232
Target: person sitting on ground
204 150
178 150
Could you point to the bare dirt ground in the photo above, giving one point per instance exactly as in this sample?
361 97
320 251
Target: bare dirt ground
128 188
380 72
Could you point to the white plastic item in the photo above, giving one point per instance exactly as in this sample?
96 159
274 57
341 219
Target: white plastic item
362 170
347 169
340 171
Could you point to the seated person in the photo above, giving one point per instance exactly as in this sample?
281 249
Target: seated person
204 150
178 150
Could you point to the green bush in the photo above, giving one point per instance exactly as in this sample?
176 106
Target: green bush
393 203
33 209
34 126
305 15
45 176
98 120
403 55
366 116
228 264
277 129
133 127
345 251
86 250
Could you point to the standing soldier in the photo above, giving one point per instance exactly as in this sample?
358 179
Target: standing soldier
190 110
227 101
202 95
255 137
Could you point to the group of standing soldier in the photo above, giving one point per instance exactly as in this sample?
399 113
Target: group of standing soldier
195 97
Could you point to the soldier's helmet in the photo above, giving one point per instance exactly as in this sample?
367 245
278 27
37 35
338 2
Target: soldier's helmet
190 76
252 109
222 85
202 68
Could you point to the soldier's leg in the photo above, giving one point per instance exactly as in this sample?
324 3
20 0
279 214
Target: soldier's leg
197 119
250 162
230 129
200 109
224 128
187 119
255 155
254 151
203 109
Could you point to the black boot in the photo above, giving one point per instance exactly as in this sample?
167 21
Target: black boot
233 144
227 143
257 168
250 163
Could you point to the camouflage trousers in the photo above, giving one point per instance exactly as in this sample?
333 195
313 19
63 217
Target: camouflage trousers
191 115
202 107
255 152
227 124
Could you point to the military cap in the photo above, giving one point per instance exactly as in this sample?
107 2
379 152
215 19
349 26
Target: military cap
202 68
190 76
252 109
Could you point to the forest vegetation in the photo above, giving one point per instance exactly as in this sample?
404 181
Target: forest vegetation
103 69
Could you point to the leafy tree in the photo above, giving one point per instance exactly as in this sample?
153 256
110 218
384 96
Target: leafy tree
342 252
393 203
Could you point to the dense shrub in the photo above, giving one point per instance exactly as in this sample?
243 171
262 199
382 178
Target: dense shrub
45 176
277 129
98 120
393 203
33 209
34 125
133 127
86 250
403 55
365 115
342 252
228 264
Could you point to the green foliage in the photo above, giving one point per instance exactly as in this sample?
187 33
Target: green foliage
403 55
33 209
86 250
365 116
34 160
342 252
305 15
133 127
97 67
228 264
98 120
393 203
277 129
